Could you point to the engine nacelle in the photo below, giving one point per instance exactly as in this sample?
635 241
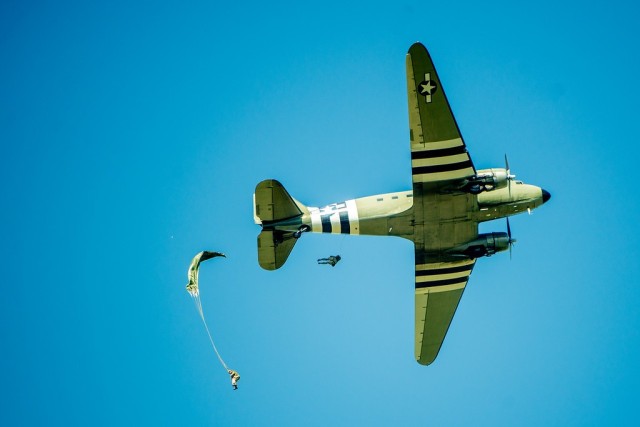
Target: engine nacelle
484 245
487 180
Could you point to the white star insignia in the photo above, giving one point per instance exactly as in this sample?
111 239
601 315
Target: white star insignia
427 87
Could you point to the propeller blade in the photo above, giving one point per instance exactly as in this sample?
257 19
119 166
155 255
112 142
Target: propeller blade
511 240
509 177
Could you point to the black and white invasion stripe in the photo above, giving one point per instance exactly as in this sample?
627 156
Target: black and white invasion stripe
440 161
441 277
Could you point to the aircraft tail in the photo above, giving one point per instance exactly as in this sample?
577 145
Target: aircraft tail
280 216
274 248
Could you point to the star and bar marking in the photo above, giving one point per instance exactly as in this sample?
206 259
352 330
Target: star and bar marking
427 88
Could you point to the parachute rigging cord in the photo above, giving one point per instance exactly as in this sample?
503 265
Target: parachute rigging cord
198 303
194 291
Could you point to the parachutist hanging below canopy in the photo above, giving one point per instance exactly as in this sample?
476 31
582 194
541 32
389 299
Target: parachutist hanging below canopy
235 377
194 291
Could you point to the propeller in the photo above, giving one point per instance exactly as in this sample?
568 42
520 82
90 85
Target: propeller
509 176
511 240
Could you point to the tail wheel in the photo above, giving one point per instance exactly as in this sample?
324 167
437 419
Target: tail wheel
303 229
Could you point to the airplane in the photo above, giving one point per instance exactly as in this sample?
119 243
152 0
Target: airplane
440 214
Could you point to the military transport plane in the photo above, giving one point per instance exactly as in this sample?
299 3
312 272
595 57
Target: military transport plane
440 215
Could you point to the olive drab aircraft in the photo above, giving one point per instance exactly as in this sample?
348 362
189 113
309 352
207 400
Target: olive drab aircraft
440 214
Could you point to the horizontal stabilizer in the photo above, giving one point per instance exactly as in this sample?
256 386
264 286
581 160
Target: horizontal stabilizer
273 202
274 248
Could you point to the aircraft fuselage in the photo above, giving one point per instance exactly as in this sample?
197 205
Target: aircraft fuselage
391 214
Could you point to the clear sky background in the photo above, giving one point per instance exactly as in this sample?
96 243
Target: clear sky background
132 135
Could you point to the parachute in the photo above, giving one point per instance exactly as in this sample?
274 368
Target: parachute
194 290
194 269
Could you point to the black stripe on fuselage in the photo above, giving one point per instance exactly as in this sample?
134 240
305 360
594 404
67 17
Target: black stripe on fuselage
345 228
326 223
420 285
450 270
418 170
442 152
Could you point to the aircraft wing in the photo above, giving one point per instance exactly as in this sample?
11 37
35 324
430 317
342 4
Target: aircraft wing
438 152
443 215
439 287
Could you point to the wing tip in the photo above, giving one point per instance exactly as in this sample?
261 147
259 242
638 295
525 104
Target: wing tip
425 362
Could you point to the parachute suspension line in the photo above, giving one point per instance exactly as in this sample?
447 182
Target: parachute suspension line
198 303
224 365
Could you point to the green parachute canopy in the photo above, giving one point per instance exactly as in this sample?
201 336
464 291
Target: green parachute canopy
194 268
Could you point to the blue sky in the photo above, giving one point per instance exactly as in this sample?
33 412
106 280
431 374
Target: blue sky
133 135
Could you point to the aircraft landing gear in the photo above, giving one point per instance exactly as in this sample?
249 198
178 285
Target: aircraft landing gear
302 229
